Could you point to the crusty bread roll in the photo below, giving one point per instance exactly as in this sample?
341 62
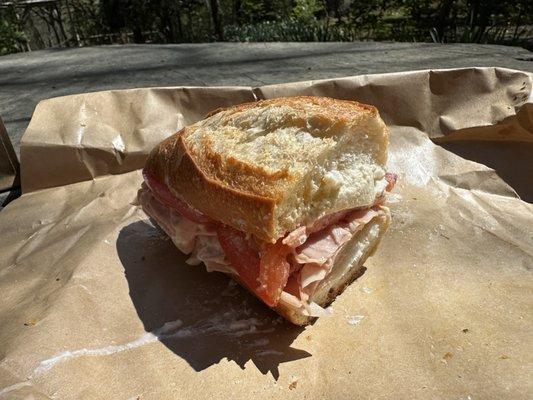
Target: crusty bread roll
286 196
271 166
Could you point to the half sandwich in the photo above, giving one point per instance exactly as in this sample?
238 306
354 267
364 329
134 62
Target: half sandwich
284 195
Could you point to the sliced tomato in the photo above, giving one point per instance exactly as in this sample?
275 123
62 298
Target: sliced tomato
163 194
274 270
265 273
241 255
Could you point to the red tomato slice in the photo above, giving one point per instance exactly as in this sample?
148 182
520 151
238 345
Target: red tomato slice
240 255
274 270
266 275
163 194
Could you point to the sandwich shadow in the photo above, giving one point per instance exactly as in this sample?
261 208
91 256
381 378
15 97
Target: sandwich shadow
202 317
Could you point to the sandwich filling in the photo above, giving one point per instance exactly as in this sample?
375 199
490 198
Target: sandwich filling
288 271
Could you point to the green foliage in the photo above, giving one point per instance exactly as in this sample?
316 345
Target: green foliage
135 16
88 20
276 31
175 21
11 36
251 10
478 21
305 10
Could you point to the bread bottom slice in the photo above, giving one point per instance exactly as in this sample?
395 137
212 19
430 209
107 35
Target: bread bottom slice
348 266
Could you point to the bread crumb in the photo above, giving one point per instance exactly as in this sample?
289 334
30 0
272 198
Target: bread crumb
293 385
504 357
446 357
30 322
466 330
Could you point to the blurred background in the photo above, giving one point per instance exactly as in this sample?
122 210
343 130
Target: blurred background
27 25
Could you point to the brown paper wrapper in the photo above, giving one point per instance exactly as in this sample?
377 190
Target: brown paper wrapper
98 303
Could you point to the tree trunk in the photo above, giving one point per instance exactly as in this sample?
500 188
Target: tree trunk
73 30
180 28
189 24
237 12
59 18
51 21
215 16
442 20
454 25
518 22
137 34
336 9
474 8
166 26
486 11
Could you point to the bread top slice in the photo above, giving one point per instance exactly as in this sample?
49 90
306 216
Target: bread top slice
268 167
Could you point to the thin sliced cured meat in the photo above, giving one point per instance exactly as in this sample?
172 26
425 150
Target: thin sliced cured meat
312 273
298 236
391 179
322 246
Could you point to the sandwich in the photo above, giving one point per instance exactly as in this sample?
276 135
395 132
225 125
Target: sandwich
286 196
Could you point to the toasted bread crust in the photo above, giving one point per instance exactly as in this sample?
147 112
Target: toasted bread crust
212 197
237 193
338 109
